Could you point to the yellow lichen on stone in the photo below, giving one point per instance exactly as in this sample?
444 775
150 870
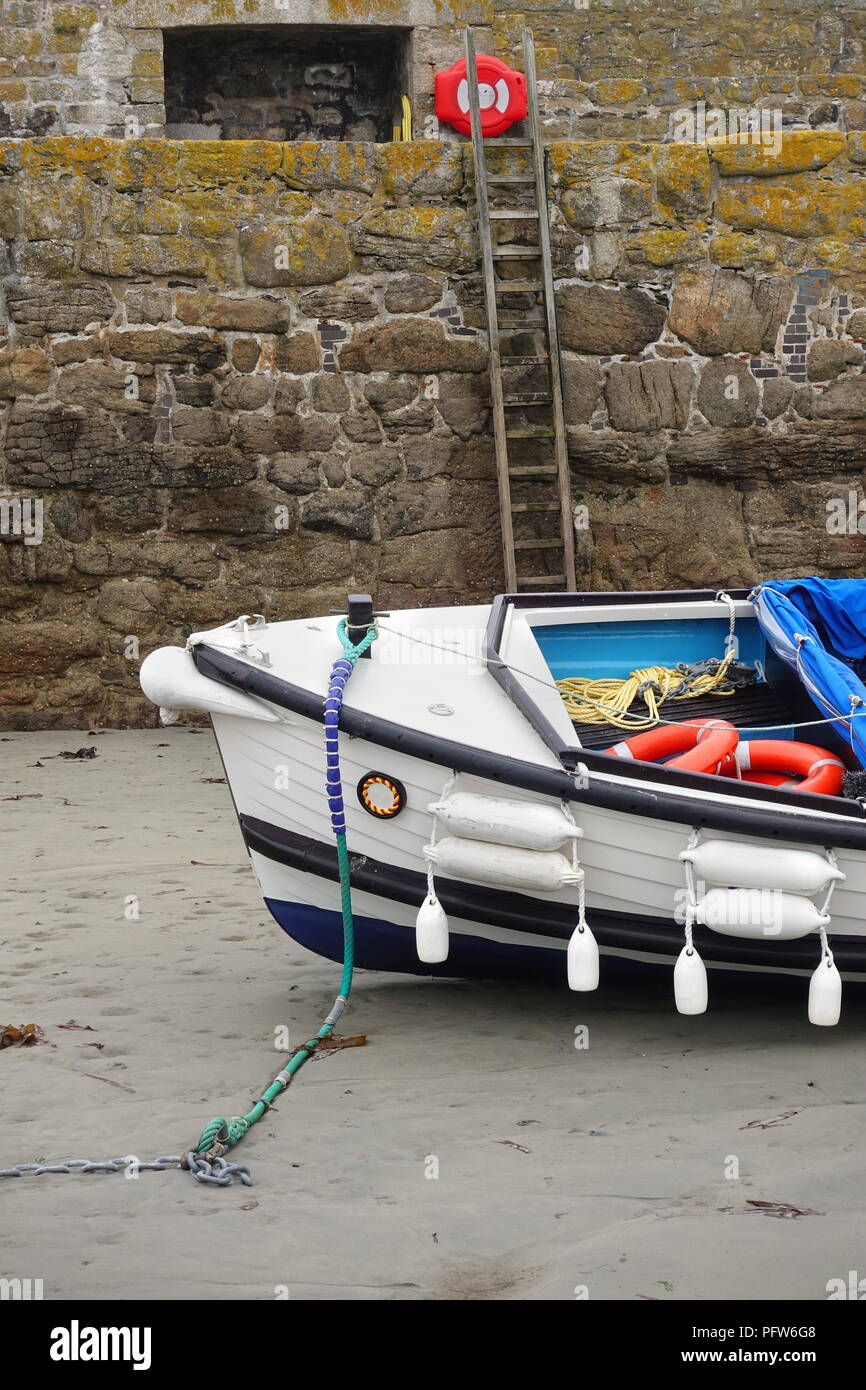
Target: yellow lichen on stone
577 161
737 251
344 11
416 223
228 161
852 207
794 210
61 210
10 215
91 155
147 64
664 246
617 91
841 255
857 146
330 164
160 256
146 165
420 163
68 18
788 153
683 177
20 43
840 84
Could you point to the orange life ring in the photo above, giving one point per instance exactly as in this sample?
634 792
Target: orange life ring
704 745
774 761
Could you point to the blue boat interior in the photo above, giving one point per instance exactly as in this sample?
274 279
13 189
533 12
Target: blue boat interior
615 648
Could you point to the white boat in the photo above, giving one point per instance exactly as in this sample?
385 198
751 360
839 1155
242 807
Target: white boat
471 794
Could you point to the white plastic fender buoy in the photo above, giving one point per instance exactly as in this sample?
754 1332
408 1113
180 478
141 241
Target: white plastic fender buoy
503 866
582 960
431 931
524 824
825 994
758 914
690 982
732 864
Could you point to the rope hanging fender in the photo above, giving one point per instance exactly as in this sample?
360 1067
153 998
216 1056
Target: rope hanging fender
221 1134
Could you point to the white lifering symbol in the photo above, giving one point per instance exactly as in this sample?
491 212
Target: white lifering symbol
488 95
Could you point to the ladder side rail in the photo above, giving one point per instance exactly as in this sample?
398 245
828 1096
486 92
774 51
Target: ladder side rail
495 366
561 438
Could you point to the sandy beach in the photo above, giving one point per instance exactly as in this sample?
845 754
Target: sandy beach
563 1172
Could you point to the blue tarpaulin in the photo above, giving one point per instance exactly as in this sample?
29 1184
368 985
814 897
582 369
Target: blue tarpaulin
818 627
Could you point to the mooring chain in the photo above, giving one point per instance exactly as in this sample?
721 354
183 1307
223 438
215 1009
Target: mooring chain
216 1171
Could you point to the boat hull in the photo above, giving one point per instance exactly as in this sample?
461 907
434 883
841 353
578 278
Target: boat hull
433 725
493 933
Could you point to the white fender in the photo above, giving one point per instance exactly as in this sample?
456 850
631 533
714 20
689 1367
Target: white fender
503 866
431 931
524 824
758 914
170 679
690 982
582 960
761 866
825 995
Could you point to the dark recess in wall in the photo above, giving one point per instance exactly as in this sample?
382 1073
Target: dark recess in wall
290 83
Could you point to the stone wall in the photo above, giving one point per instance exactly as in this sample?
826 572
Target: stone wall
608 68
250 376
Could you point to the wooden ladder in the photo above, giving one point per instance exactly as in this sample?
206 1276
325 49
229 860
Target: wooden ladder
525 380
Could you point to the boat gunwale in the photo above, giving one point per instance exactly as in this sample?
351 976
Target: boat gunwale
686 798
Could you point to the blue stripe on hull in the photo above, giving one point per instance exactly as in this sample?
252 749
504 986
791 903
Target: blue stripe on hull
381 945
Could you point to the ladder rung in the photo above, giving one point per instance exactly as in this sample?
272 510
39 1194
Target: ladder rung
538 545
515 253
517 325
527 398
533 470
512 215
524 361
511 178
542 579
535 506
517 286
509 144
540 432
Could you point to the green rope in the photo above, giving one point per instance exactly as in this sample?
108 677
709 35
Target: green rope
221 1134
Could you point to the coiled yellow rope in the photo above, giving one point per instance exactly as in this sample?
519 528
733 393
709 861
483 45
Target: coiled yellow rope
608 701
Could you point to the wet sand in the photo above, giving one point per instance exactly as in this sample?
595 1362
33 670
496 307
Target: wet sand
562 1172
